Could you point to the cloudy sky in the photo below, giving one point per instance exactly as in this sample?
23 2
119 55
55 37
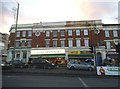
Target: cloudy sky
35 11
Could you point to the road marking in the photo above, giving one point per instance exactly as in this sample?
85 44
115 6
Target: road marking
84 84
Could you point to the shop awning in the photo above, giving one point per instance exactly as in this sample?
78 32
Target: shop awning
80 56
48 56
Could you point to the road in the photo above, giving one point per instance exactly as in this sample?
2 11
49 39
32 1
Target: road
28 80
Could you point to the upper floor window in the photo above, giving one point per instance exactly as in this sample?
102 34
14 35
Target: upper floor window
29 43
29 33
17 43
24 34
85 31
107 34
23 43
78 44
108 45
70 43
54 43
18 34
78 32
54 33
69 32
62 33
115 33
47 43
86 42
62 42
47 33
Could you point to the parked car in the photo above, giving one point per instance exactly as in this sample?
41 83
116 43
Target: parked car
80 65
18 64
42 63
5 64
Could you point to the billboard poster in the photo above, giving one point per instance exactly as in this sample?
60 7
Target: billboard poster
108 70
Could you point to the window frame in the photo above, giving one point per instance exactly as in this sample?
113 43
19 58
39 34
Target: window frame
23 33
70 32
86 42
78 33
86 33
70 43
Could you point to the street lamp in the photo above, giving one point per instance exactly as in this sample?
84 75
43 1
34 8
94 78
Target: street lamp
15 32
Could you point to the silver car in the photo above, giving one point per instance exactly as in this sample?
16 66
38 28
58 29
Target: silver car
80 65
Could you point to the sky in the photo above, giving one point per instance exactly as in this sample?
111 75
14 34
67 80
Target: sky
35 11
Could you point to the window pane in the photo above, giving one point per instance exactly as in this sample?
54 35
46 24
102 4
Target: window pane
108 45
24 34
29 33
70 43
85 32
107 34
86 42
23 43
62 33
47 33
18 34
78 43
115 33
54 43
69 32
29 43
77 32
54 33
17 43
24 55
62 43
47 43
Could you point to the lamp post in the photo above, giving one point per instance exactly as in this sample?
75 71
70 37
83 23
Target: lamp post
15 32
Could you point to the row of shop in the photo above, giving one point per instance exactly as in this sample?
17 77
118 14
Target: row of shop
61 56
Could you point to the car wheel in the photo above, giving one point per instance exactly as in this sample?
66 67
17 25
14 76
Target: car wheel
72 67
90 68
49 67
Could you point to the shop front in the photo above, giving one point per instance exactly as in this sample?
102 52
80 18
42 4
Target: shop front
82 56
52 55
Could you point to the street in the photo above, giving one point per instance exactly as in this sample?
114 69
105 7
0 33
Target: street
29 80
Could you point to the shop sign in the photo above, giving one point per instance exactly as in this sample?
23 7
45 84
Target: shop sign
108 70
55 51
73 52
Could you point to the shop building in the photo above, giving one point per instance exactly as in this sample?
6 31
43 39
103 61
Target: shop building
47 40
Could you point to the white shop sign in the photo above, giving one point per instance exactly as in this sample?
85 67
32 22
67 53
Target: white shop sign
54 51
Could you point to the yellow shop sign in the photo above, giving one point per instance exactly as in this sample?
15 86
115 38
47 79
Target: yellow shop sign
73 52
